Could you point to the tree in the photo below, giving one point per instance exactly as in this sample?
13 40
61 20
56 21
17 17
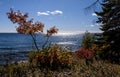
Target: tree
94 4
88 40
86 52
109 18
27 26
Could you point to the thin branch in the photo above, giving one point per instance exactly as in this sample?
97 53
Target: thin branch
92 6
34 40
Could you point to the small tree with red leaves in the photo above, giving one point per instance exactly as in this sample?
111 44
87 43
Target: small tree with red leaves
86 51
27 26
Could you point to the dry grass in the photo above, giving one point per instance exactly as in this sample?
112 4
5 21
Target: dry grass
78 69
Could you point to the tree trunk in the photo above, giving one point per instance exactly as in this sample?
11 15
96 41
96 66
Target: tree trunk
45 42
34 40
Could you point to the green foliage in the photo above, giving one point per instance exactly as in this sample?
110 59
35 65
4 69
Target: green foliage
88 40
109 18
51 58
15 70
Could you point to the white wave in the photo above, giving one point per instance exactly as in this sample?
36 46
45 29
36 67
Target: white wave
66 43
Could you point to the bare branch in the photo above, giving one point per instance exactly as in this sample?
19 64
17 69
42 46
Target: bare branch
92 6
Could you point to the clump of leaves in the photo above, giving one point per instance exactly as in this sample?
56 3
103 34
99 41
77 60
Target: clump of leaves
53 58
25 26
85 53
50 32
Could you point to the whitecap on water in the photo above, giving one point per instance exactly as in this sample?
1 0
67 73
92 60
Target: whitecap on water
66 43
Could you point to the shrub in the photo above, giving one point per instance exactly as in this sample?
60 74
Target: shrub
52 58
85 53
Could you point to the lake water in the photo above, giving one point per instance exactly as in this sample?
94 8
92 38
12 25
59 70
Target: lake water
14 46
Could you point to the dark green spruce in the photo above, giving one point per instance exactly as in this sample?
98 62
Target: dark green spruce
109 18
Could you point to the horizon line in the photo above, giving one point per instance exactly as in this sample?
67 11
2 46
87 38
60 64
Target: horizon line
82 31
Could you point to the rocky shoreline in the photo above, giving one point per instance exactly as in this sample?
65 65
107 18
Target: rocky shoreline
13 57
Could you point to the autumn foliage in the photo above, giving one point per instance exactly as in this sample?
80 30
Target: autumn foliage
26 26
53 57
85 53
51 31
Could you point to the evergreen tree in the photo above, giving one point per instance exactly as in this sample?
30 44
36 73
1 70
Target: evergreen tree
88 40
109 18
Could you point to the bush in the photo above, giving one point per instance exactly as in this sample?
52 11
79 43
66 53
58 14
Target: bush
52 58
86 54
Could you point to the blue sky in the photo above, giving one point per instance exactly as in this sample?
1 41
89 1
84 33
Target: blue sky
67 15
